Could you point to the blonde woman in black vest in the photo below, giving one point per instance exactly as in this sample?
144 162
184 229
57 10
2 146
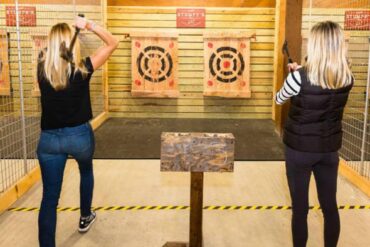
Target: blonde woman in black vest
66 111
313 131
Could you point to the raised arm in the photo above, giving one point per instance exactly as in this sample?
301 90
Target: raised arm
102 54
291 87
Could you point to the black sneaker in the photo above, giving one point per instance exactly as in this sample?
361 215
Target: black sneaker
86 222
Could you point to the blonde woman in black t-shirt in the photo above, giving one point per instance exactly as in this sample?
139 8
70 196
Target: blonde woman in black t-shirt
66 111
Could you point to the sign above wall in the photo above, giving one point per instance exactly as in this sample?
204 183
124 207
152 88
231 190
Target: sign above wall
27 16
357 20
190 18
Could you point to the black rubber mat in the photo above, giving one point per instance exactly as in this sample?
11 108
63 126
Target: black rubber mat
120 138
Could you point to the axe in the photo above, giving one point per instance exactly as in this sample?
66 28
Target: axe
66 53
286 51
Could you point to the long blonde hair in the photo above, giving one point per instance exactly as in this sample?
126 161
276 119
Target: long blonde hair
56 69
327 65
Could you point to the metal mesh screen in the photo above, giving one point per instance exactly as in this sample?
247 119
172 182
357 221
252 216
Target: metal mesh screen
23 28
356 148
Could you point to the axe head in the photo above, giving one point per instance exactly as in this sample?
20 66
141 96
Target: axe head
65 53
285 47
286 51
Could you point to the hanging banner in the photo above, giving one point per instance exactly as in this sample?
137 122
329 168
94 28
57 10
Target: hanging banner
226 63
154 65
27 16
190 18
4 64
38 43
357 20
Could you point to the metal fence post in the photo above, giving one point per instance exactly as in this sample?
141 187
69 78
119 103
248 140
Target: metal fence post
20 76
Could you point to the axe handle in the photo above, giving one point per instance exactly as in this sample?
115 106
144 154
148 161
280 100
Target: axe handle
74 38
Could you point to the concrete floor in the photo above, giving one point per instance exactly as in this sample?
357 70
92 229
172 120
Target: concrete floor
119 138
139 182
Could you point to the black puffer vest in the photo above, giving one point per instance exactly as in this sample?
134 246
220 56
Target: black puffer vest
315 117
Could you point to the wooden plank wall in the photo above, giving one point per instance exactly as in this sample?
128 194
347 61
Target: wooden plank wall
191 103
358 52
47 15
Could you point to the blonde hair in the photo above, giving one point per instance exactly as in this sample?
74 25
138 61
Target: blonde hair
327 65
56 69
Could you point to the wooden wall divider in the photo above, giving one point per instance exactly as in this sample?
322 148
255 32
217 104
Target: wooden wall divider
288 28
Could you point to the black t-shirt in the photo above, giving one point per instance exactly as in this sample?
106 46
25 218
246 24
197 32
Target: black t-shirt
68 107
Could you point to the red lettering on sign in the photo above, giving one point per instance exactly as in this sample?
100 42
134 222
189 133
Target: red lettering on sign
27 16
357 20
191 18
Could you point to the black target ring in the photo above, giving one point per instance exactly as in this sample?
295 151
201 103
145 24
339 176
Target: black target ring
160 58
232 67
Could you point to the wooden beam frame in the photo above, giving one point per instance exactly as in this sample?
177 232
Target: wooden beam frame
19 189
352 176
99 120
288 25
105 66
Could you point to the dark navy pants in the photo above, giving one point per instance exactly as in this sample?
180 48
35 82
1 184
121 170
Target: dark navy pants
52 151
324 166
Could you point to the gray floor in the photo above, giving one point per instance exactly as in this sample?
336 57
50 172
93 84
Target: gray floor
120 138
139 182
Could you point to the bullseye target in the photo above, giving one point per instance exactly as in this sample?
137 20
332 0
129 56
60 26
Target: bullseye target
4 64
226 61
226 64
154 65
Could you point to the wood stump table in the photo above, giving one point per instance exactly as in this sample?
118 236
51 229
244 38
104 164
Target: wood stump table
196 153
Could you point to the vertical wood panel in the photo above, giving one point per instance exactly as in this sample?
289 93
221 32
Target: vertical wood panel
290 24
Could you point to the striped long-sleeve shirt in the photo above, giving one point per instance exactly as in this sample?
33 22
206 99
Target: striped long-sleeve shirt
291 87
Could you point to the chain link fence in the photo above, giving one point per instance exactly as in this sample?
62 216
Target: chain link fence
24 26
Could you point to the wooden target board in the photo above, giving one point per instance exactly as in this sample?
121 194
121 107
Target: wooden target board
39 42
154 65
4 64
226 64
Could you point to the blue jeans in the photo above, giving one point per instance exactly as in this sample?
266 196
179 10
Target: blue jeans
52 151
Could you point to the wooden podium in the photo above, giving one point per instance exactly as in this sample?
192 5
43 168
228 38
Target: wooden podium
196 153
